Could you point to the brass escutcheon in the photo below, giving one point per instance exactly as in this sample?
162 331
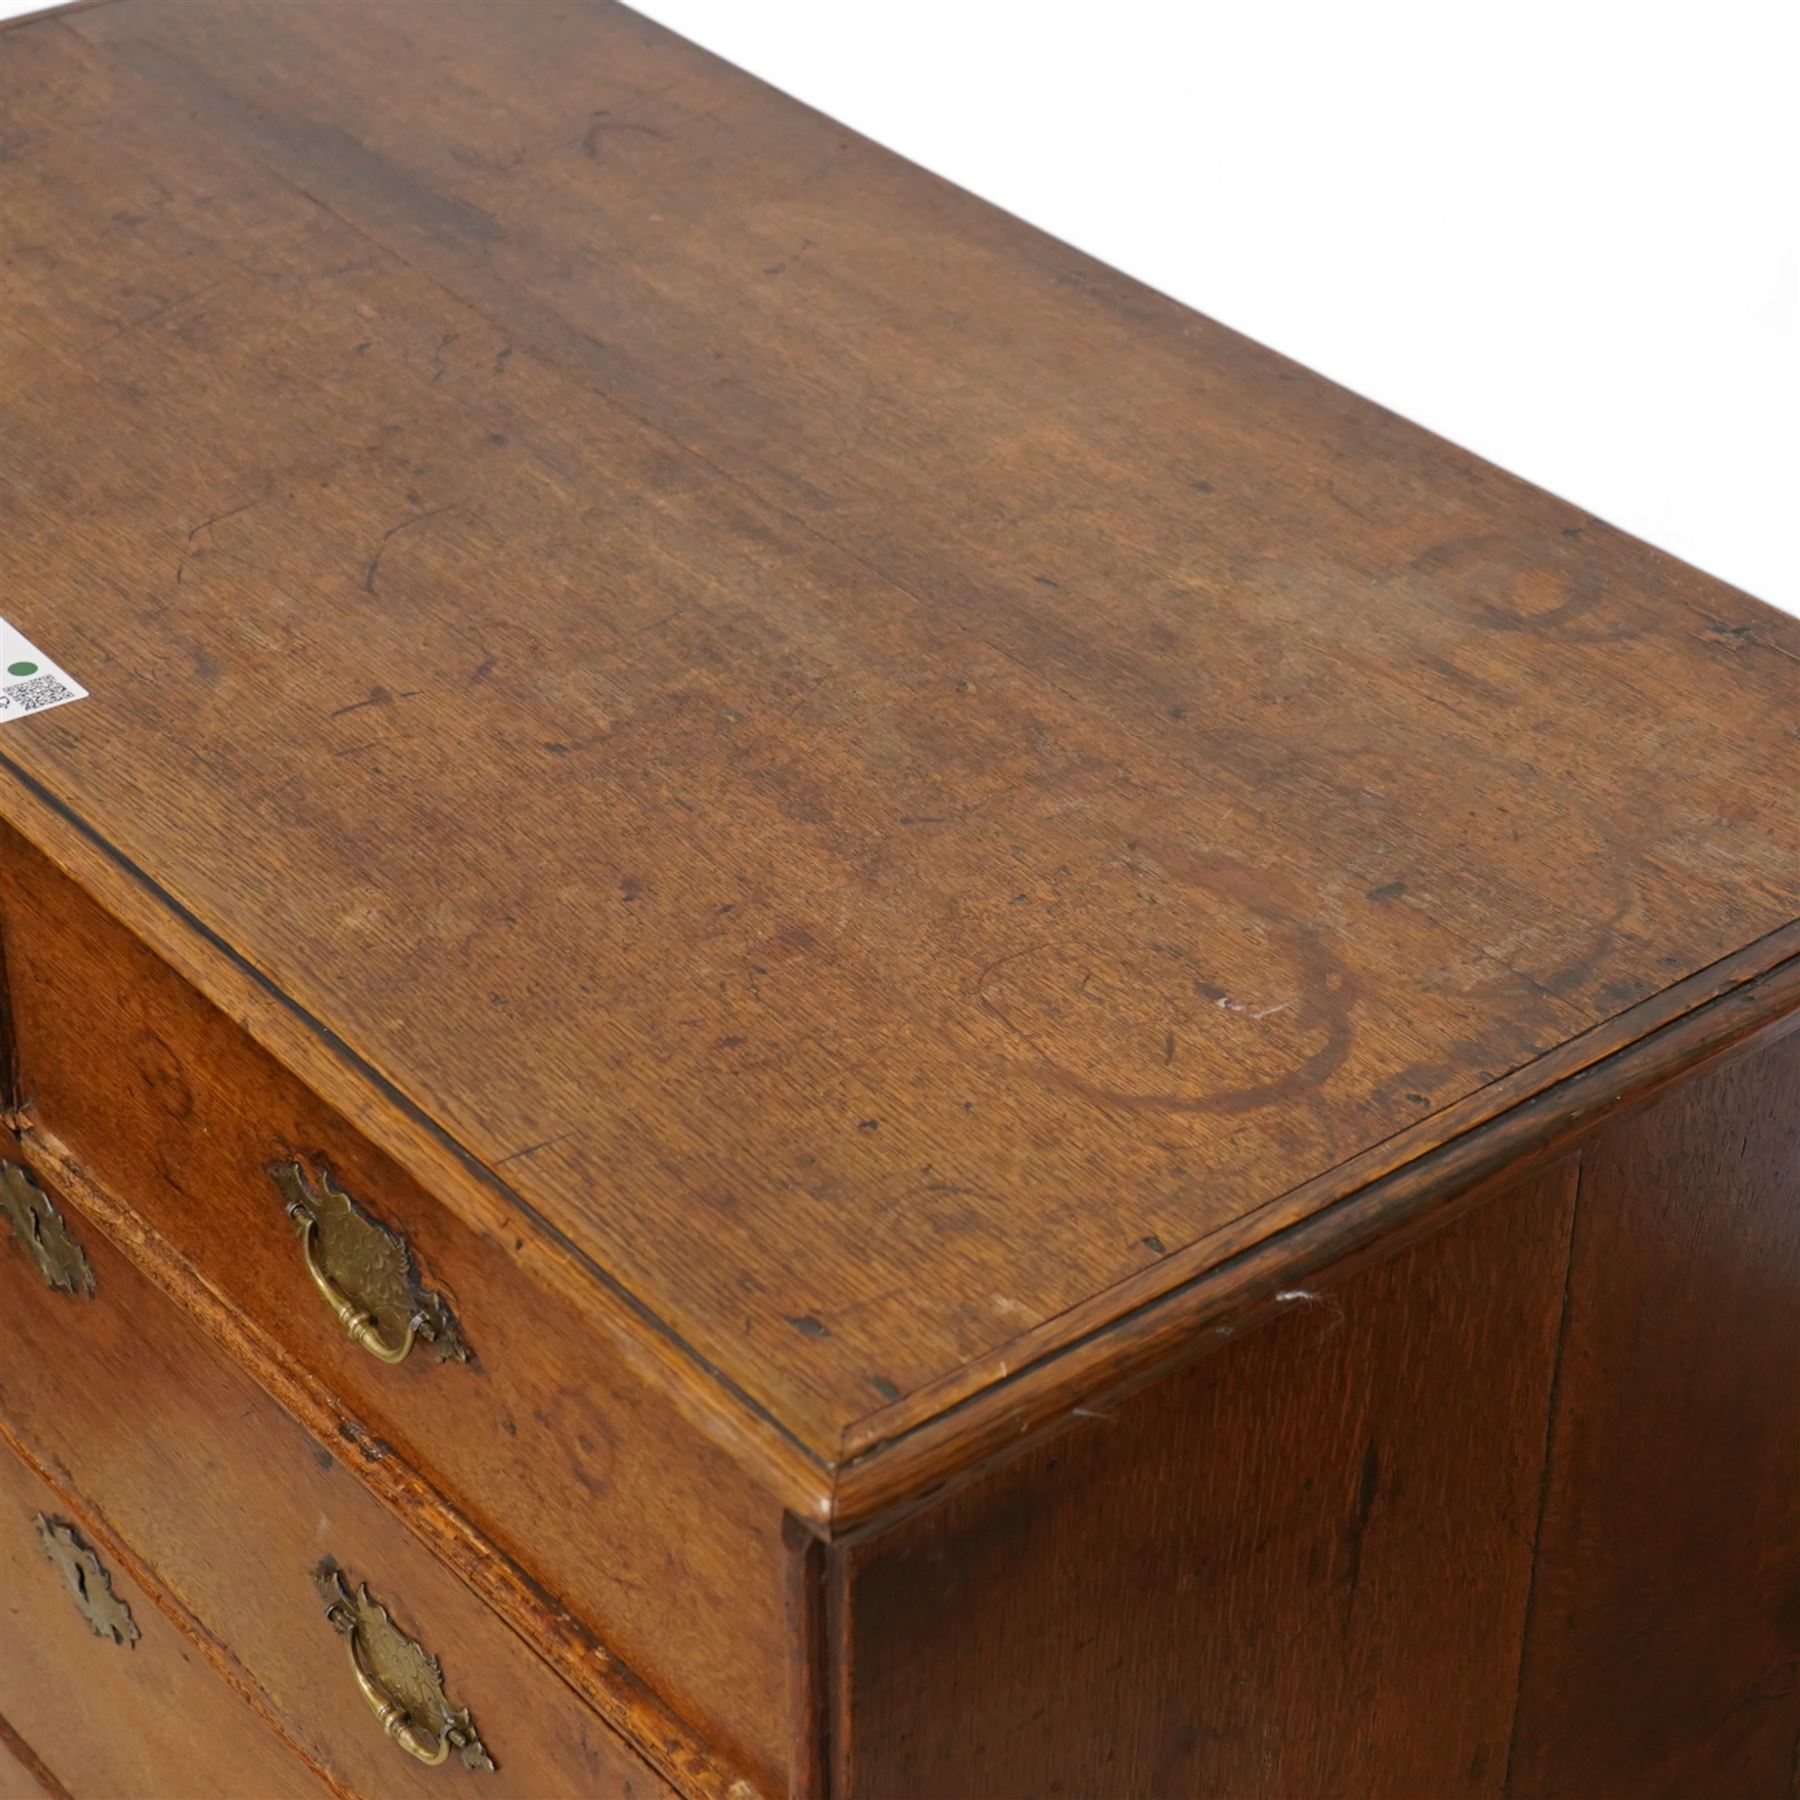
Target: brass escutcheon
365 1273
400 1680
89 1585
41 1229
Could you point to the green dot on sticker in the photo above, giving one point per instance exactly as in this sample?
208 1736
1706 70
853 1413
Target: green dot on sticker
21 668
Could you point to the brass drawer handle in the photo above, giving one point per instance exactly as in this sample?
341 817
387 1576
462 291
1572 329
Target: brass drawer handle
360 1325
365 1273
391 1715
400 1680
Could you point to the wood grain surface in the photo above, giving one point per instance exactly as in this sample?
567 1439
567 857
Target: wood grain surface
110 1720
1297 1569
873 777
1664 1655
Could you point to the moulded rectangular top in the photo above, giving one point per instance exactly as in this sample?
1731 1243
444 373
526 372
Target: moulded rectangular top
902 794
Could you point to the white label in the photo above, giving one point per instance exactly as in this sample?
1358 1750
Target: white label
29 681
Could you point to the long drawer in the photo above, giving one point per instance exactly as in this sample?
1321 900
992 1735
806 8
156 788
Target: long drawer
265 1544
579 1470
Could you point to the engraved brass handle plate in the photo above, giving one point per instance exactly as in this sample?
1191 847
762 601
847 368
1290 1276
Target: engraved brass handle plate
89 1585
400 1680
38 1226
366 1274
359 1325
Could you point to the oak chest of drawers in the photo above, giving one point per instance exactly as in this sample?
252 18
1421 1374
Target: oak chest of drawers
813 1005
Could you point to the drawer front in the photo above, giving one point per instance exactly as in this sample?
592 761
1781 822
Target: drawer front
580 1472
108 1696
241 1515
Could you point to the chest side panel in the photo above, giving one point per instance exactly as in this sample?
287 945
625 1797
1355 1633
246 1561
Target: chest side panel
1297 1567
1665 1623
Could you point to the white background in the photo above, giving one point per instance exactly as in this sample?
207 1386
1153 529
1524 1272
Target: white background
1565 233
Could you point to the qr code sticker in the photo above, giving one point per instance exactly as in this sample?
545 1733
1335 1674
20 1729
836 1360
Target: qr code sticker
34 695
